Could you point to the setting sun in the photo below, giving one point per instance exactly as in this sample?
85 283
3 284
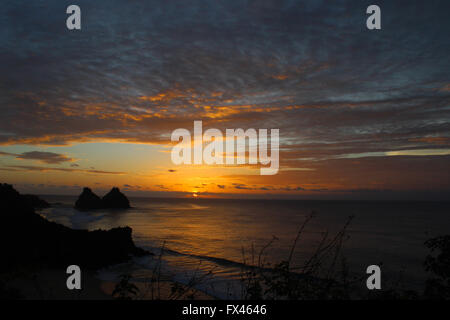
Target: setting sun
225 150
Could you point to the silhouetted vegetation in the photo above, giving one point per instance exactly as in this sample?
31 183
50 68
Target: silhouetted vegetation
325 275
438 263
319 277
151 288
125 289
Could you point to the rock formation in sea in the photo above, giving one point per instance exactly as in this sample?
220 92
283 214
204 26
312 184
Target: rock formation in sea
27 239
115 199
88 200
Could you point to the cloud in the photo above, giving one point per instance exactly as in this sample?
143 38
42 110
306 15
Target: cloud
241 186
7 154
412 153
241 63
44 169
221 186
288 188
45 157
172 170
128 186
309 68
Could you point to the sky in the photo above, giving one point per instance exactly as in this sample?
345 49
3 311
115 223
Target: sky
362 114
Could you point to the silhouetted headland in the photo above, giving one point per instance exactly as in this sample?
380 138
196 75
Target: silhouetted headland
27 239
35 202
114 199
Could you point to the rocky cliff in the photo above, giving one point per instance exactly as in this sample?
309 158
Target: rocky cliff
28 239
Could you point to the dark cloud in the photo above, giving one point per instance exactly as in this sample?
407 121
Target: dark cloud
172 170
7 154
45 157
140 69
43 169
241 186
288 188
130 187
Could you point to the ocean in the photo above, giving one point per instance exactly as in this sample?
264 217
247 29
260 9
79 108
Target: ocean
200 236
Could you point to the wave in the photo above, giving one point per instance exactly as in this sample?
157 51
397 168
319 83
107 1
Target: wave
219 261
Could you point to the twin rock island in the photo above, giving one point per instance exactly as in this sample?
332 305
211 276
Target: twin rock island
114 199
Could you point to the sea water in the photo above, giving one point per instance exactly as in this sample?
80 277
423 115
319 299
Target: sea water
219 236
